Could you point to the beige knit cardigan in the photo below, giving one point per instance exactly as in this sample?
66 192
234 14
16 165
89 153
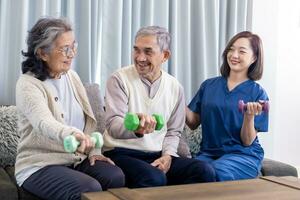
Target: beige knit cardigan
41 124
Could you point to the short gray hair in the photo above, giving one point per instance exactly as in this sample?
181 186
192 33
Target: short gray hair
162 35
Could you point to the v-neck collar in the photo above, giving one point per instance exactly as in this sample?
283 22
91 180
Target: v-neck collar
144 90
225 80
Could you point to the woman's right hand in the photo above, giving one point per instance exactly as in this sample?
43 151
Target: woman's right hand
86 144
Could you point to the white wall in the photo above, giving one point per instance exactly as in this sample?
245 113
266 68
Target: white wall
278 24
265 25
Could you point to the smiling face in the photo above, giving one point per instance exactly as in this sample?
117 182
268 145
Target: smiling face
60 58
148 57
240 56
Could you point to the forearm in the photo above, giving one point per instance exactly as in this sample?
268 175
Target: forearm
116 108
192 119
248 132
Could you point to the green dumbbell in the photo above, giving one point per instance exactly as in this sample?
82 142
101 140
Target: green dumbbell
71 144
132 121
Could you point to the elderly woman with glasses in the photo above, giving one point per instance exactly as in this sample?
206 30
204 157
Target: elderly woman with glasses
53 104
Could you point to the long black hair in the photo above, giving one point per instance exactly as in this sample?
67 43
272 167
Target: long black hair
41 36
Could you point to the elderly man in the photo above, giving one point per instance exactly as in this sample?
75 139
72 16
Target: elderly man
148 157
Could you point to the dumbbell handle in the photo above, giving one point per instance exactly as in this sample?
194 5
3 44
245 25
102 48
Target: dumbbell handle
132 121
71 144
243 106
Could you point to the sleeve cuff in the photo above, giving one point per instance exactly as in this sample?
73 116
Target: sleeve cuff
95 152
171 153
139 135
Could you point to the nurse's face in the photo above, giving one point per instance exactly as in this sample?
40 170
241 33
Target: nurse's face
240 56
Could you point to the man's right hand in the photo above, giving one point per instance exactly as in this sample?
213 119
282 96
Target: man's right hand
86 144
147 124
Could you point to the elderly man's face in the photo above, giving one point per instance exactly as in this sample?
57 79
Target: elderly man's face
148 57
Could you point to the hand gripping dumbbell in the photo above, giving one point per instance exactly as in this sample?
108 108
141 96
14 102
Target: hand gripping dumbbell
71 144
243 106
132 121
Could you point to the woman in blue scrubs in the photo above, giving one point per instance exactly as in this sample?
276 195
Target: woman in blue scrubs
229 137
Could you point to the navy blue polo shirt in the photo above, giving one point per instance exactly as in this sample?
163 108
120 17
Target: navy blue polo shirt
221 120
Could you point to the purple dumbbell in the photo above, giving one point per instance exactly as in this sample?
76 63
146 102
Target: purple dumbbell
243 106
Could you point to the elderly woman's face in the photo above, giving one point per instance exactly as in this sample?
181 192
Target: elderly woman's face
60 58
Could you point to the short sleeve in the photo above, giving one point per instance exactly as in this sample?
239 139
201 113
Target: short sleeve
261 122
195 104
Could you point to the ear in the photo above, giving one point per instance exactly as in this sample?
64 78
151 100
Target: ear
42 55
253 59
167 55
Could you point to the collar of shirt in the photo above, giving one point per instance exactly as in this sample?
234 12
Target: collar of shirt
151 88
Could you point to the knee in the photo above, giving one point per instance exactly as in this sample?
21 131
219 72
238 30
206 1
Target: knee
115 179
222 173
152 178
205 171
91 186
158 179
224 176
74 193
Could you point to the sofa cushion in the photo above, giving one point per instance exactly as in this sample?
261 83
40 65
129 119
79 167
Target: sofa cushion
8 135
8 190
276 168
23 194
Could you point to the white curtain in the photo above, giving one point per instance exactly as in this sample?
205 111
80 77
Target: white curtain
105 32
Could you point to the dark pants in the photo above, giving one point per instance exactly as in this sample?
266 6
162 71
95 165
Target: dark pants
139 172
61 182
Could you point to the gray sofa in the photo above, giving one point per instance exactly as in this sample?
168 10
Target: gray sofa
189 144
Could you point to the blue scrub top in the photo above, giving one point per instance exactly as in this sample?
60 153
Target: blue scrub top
221 120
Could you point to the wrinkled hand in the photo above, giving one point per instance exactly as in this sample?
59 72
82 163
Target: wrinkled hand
101 158
254 108
147 124
86 144
163 163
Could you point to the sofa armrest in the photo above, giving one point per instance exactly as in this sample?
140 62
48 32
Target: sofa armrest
276 168
8 190
97 103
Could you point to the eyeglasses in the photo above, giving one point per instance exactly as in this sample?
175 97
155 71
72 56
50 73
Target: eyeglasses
69 50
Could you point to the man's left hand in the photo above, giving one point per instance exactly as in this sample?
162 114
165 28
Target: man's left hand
163 163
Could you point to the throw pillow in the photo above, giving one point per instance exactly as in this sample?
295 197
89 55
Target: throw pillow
193 139
8 135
